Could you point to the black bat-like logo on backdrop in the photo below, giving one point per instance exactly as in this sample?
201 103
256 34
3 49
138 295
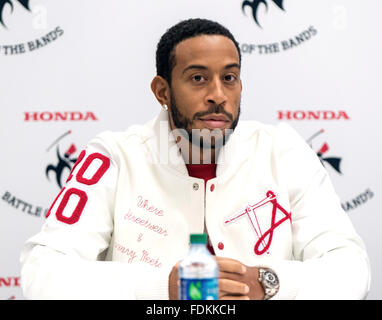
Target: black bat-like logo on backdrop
24 3
334 162
254 5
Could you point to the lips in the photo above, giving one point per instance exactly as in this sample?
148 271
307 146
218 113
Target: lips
215 121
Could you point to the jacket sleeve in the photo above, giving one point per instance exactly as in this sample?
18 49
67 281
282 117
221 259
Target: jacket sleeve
330 259
65 260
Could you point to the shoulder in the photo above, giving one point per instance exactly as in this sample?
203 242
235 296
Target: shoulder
114 142
281 139
276 132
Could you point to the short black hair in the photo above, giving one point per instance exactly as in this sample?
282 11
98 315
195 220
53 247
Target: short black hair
165 54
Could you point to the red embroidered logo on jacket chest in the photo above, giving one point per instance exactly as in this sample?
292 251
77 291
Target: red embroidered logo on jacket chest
264 239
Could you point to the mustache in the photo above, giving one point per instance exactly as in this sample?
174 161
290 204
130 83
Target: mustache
213 109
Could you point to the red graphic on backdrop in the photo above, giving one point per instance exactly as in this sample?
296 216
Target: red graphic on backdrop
264 239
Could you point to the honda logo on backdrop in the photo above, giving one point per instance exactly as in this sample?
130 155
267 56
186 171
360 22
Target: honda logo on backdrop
45 116
312 115
9 282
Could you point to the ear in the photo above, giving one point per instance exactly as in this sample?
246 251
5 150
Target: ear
161 90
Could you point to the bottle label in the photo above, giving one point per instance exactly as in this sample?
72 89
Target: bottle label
199 289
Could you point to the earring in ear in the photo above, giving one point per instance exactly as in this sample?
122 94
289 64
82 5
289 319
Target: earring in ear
165 107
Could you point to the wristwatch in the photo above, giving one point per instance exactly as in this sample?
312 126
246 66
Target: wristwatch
269 281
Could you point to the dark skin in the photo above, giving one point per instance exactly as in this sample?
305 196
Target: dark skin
236 281
207 72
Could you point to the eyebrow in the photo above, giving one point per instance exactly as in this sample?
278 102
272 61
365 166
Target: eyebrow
232 65
201 67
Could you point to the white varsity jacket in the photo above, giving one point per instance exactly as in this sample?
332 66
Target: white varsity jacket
124 217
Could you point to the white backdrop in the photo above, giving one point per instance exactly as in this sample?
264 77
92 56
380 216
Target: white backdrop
70 69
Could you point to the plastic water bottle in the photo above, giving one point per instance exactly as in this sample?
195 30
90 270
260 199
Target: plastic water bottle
198 272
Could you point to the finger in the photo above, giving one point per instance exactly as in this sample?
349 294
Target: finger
234 298
231 276
231 265
173 282
227 286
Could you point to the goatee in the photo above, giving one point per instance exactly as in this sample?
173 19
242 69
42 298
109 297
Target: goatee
203 138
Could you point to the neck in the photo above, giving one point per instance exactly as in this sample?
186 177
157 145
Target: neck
192 153
202 156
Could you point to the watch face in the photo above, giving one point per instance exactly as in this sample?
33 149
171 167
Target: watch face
271 279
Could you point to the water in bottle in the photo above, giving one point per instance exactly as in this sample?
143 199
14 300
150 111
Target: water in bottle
198 272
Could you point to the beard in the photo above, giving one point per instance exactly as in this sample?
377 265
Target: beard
204 138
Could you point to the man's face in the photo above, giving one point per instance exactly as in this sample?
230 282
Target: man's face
206 85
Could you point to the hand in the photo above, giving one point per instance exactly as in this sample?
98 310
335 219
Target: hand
173 283
236 281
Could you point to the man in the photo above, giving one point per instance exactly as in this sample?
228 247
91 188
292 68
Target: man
121 224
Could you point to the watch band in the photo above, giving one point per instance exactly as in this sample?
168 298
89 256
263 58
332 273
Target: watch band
269 281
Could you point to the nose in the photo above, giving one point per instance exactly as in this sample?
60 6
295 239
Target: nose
216 93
